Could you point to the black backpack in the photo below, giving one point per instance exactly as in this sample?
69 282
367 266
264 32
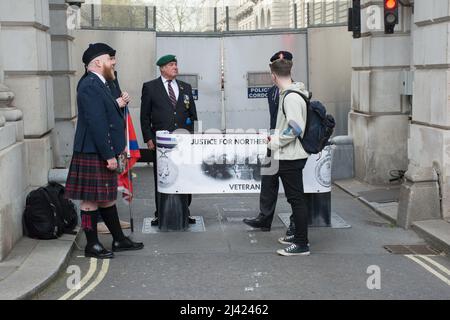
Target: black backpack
47 214
65 208
319 125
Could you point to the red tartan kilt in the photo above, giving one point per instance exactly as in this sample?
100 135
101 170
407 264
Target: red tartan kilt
90 180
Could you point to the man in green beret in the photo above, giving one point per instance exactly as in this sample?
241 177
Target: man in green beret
166 104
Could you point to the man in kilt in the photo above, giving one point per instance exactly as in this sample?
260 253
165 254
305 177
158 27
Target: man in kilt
99 139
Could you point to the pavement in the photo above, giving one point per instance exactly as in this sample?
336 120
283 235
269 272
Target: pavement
221 249
384 201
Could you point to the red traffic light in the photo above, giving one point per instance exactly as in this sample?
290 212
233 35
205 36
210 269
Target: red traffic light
390 4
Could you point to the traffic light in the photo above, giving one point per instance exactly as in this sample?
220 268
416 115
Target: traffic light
354 19
390 15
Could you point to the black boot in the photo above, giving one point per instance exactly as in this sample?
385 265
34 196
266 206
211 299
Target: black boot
120 242
94 248
260 222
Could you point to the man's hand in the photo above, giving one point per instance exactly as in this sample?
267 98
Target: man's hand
121 102
126 97
150 144
112 164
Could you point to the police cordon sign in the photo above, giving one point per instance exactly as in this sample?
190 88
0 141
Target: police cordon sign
227 163
257 92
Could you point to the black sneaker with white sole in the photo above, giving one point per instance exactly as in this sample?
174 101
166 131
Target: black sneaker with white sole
294 250
288 240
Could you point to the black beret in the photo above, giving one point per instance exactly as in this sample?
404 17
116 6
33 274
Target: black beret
95 50
281 55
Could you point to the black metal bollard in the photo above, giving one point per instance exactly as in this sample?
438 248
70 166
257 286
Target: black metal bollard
173 212
319 209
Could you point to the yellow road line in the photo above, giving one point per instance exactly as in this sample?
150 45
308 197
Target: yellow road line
429 269
100 276
86 278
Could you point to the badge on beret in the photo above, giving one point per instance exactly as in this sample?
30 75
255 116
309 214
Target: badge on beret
186 101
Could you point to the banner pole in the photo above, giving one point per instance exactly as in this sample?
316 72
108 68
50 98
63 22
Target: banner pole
129 172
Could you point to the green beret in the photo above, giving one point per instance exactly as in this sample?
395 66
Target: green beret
166 59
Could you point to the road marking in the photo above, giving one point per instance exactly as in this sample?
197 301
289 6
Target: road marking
428 268
100 276
87 277
437 265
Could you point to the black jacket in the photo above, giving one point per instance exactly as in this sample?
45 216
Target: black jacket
273 97
158 113
100 125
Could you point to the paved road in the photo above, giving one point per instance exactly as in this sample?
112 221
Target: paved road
229 260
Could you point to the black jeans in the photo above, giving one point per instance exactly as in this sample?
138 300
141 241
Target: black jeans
290 172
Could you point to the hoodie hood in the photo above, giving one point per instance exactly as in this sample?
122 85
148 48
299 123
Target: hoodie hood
299 87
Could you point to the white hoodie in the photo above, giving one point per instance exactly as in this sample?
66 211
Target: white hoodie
284 142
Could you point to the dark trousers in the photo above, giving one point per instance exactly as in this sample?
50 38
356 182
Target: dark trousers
290 172
155 180
268 198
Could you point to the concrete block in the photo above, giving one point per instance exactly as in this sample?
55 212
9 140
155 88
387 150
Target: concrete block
428 11
12 197
31 53
431 44
58 175
25 11
431 92
371 51
418 201
379 91
62 50
38 167
64 90
380 145
385 91
7 136
342 166
62 137
429 150
427 145
361 90
34 96
58 21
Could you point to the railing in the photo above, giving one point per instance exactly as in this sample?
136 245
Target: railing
250 16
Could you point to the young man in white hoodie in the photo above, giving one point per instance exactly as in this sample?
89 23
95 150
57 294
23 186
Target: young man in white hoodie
288 151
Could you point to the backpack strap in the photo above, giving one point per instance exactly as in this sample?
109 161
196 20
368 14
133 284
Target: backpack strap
307 99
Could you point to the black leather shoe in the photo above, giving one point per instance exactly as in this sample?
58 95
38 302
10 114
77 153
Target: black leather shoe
126 244
192 220
97 251
260 222
155 222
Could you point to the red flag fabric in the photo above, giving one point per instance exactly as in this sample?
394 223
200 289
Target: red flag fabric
133 154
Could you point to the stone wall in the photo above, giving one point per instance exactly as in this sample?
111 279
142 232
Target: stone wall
13 164
379 116
428 175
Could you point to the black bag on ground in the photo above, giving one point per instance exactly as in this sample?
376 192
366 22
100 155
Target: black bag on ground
319 125
47 214
65 208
